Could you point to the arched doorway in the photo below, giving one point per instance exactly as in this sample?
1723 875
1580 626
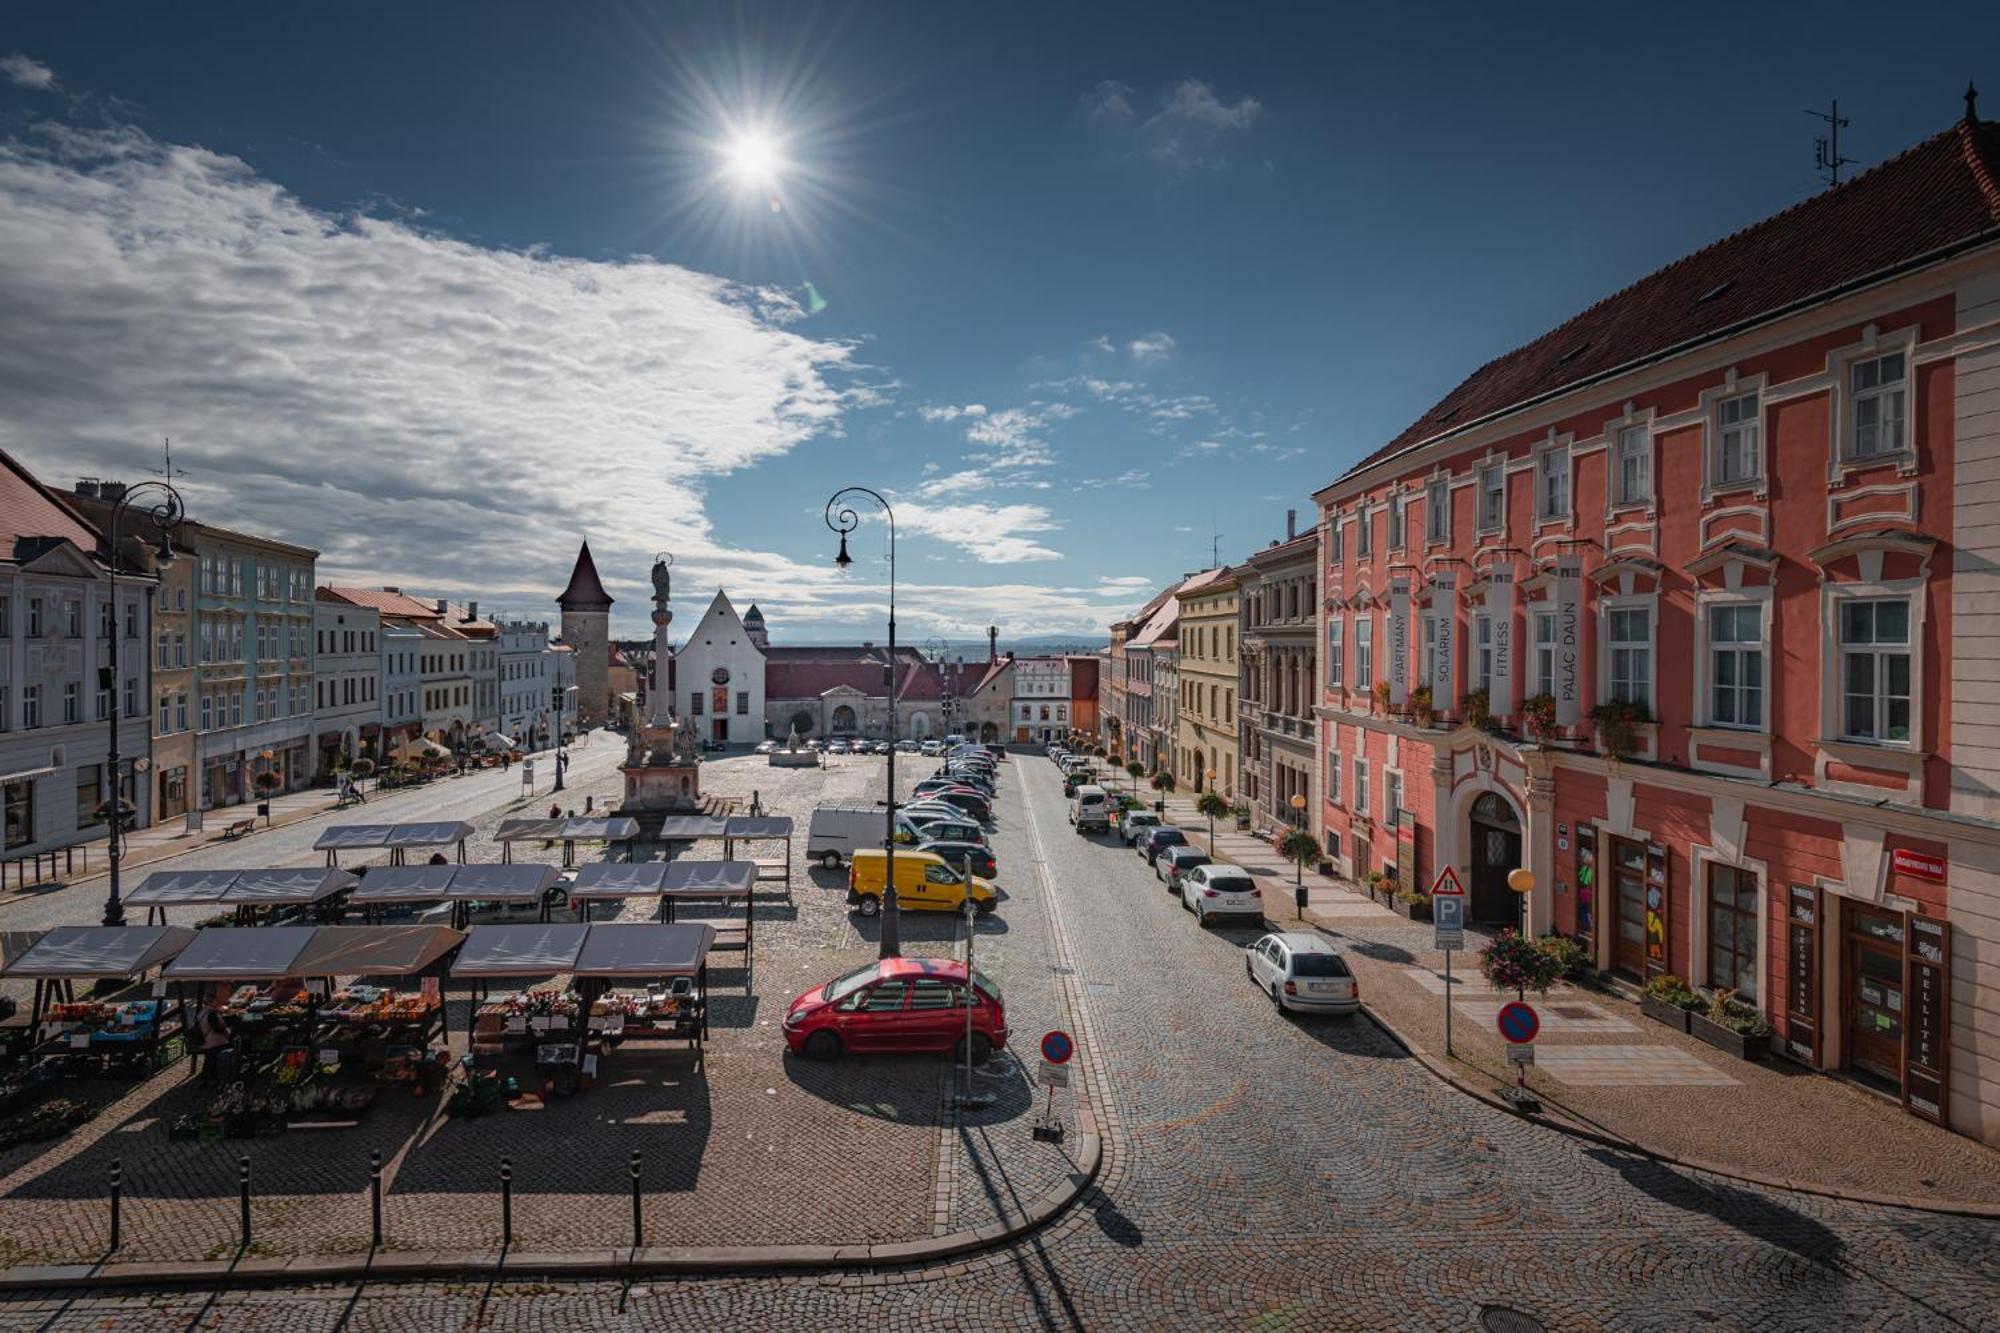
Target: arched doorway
989 734
1496 850
843 719
920 726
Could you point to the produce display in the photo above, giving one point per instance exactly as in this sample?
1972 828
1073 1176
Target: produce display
52 1119
89 1037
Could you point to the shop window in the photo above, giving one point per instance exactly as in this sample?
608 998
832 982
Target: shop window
1732 931
89 796
1875 670
19 800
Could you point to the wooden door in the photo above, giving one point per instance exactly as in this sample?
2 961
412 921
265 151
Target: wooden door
1875 1000
1628 907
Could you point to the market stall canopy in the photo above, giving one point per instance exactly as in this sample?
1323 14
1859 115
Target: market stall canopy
644 949
687 828
253 887
393 884
374 951
519 951
758 826
695 878
599 828
242 953
165 888
341 837
101 951
14 943
345 837
619 879
528 830
490 882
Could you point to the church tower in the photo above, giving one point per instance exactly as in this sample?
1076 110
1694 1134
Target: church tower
753 625
586 628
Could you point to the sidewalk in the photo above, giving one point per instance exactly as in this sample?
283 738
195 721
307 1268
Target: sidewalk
1604 1069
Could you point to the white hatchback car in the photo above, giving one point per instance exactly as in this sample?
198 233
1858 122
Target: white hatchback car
1215 891
1301 971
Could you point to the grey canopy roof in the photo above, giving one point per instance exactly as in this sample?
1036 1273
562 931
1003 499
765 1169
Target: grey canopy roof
100 951
280 884
619 879
599 828
384 884
759 826
644 949
164 888
342 837
686 828
388 884
528 830
652 879
519 951
374 951
242 953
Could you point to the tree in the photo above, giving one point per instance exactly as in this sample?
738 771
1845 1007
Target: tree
1163 781
1211 804
1298 847
1137 770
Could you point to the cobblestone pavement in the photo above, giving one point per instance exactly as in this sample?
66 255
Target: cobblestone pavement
1263 1172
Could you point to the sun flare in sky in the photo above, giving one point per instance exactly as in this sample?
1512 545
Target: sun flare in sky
752 159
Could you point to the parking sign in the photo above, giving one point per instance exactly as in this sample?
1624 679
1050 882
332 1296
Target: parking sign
1448 912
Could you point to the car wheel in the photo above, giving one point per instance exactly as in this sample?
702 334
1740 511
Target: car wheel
982 1048
822 1045
870 905
1277 1000
1201 917
831 860
986 908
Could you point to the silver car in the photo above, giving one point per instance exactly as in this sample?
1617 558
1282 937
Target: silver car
1214 891
1301 971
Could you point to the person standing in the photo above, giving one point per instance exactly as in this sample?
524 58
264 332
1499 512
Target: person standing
212 1040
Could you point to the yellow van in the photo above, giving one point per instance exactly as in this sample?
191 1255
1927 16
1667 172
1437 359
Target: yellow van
924 883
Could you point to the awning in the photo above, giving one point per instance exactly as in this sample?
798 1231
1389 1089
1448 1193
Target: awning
599 828
341 837
687 828
653 879
758 826
164 888
519 951
242 953
288 886
644 949
344 837
619 879
388 884
695 878
374 951
101 951
528 830
528 881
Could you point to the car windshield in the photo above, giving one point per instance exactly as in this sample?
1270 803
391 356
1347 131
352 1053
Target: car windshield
1318 965
1233 884
1169 837
985 984
842 987
1188 857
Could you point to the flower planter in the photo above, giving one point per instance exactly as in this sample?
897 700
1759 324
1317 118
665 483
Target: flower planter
1728 1039
1417 911
1660 1011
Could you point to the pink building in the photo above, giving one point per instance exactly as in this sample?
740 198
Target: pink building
1688 607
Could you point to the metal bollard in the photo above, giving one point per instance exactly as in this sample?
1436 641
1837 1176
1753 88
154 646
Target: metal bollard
506 1202
638 1228
375 1194
243 1184
117 1198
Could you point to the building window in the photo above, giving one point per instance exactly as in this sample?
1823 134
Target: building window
1333 776
1333 652
34 617
31 705
72 703
1364 653
1736 665
1545 652
1635 465
1428 670
1876 406
73 618
1482 637
1334 532
1552 483
694 703
1364 534
1732 931
742 703
1875 670
1631 637
89 795
1398 513
20 807
1493 497
1736 455
1360 806
1437 510
1392 796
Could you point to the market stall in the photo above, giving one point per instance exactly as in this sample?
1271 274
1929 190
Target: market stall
543 1018
397 839
471 891
569 831
125 1031
176 888
615 881
309 1054
644 981
762 828
280 895
674 882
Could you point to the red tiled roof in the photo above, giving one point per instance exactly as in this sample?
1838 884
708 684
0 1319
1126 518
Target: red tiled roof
1940 196
809 680
382 599
29 509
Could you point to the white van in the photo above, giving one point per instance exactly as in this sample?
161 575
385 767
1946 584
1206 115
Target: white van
836 830
1090 810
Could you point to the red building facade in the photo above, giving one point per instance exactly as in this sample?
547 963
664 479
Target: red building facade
1687 607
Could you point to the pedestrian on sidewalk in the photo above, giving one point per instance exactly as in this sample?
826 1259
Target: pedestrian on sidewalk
212 1040
555 812
589 804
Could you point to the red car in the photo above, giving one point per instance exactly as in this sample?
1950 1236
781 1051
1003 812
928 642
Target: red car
898 1004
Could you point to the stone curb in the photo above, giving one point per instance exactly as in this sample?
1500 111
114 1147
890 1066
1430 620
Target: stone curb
1562 1124
670 1261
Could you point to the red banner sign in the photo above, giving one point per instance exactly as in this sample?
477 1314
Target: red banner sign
1921 864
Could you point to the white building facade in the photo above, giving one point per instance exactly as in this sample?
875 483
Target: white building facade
347 683
1040 707
719 677
527 677
401 687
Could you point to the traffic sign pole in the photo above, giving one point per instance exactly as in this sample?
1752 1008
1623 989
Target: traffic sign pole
1448 921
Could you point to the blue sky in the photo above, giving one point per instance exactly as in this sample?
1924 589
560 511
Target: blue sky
441 288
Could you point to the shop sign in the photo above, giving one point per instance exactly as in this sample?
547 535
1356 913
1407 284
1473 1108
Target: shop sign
1500 616
1802 973
1447 624
1926 1022
1399 641
1569 640
1920 865
1656 910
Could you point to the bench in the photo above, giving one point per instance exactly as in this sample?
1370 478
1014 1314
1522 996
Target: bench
240 827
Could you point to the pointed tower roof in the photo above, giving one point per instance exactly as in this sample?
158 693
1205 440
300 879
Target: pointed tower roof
753 616
585 591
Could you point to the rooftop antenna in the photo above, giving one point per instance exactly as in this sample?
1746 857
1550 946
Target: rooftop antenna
168 471
1826 148
1214 542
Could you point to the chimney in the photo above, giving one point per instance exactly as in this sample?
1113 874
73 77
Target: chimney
472 610
111 491
397 591
1291 524
992 643
87 487
443 607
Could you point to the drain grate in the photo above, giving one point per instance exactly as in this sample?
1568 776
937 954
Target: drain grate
1063 971
1506 1319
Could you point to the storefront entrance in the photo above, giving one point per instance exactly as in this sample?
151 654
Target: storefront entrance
1628 907
1872 995
1496 852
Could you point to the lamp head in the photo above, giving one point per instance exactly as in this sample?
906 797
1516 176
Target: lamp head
1298 802
843 560
1522 880
164 554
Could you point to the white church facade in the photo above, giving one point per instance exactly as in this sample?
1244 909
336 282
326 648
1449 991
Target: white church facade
718 675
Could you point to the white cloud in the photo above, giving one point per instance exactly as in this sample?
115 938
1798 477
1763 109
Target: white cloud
993 533
1195 102
1125 582
1155 346
24 72
947 412
1108 101
1137 479
1102 345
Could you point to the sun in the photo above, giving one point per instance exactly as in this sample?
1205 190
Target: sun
752 159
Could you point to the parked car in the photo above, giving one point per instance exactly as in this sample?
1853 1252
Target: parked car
932 747
971 802
1176 862
836 747
906 747
924 883
1302 971
929 807
958 853
1090 810
899 1004
951 828
836 831
711 745
767 747
883 747
1217 890
979 782
1151 842
1134 822
816 745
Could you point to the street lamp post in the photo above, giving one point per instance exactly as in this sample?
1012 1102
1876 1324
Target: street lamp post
165 513
1298 863
555 704
841 518
1522 881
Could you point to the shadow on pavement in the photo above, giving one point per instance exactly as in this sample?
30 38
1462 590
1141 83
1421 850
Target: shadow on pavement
900 1089
1749 1212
